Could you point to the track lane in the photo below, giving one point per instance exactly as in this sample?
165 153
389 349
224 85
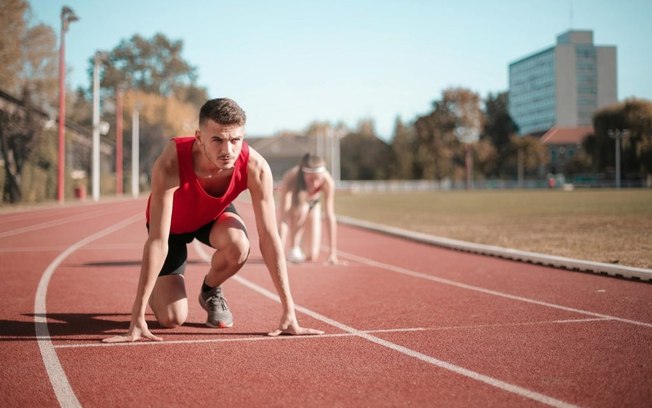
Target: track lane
23 378
365 297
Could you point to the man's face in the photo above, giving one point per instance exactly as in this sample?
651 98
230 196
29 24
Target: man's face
221 143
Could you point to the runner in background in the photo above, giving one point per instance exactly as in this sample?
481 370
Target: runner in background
302 191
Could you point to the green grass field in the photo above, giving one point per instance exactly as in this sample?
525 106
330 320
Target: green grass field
612 226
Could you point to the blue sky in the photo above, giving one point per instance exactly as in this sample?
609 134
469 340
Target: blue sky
291 62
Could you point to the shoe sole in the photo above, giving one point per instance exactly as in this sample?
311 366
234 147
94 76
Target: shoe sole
218 325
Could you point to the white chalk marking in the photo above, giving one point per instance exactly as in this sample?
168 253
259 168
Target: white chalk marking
424 276
62 389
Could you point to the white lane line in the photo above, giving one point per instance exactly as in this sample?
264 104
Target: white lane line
65 394
61 221
108 247
424 276
494 382
262 337
33 249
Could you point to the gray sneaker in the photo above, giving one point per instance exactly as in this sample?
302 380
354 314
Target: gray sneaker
214 303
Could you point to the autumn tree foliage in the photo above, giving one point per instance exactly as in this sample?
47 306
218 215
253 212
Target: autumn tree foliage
634 118
28 60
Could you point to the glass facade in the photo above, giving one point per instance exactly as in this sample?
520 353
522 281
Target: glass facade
532 92
560 86
587 83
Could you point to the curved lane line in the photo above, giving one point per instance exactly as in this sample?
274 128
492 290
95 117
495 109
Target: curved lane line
62 389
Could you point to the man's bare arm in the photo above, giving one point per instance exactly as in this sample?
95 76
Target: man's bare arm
260 186
165 181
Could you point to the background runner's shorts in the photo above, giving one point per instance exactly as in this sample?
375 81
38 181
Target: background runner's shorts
175 262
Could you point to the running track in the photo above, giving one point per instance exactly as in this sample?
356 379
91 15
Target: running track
406 325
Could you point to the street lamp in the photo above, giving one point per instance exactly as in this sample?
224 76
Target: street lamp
97 126
135 152
67 17
617 134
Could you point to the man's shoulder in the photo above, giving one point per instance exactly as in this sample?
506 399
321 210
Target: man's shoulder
168 161
257 168
256 160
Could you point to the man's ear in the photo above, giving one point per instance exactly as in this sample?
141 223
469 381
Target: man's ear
198 135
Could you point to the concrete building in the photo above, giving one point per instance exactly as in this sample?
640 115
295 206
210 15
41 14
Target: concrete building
563 85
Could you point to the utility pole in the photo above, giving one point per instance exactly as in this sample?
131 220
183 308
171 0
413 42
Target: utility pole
135 162
520 166
67 17
97 126
617 134
118 142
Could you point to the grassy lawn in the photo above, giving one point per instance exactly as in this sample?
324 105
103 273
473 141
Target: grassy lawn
598 225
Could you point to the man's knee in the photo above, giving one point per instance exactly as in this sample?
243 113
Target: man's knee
237 252
172 320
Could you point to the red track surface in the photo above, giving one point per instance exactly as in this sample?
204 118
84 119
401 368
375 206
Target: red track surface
406 325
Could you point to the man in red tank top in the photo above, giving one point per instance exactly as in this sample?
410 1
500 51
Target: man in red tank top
194 182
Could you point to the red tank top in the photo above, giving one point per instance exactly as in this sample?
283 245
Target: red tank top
193 207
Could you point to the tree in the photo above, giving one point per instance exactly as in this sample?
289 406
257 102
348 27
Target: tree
18 135
364 156
403 147
464 105
455 118
485 157
13 24
155 79
160 118
28 55
634 115
531 151
154 66
39 65
499 127
28 59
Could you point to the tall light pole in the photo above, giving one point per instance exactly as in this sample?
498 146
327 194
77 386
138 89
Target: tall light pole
97 127
520 165
468 164
135 153
617 134
335 154
67 17
118 141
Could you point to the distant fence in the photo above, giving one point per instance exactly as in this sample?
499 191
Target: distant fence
388 186
433 185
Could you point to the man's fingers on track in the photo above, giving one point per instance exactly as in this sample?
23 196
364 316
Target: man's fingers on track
302 331
311 331
117 339
130 339
152 337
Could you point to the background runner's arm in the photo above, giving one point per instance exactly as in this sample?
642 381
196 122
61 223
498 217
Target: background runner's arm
285 201
331 221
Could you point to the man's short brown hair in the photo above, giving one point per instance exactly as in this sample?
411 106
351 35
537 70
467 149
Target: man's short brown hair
224 111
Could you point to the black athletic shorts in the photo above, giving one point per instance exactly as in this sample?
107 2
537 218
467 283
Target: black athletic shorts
175 262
